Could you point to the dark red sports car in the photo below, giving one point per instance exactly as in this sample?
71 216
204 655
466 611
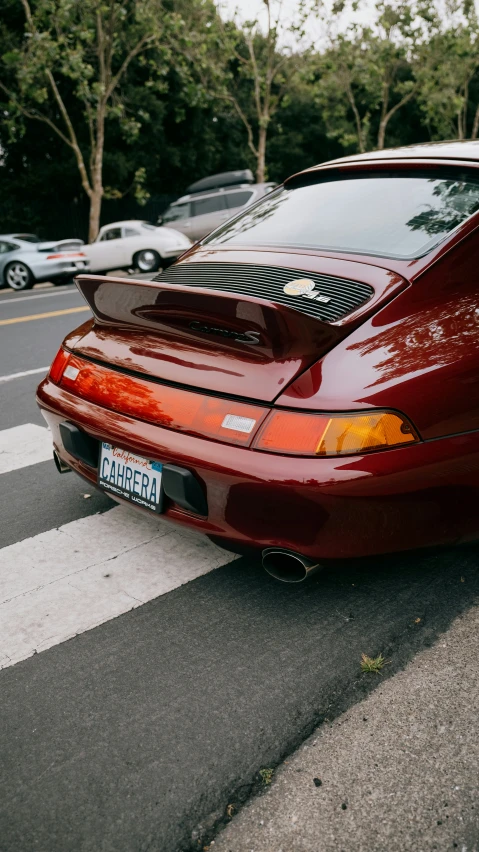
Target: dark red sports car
306 378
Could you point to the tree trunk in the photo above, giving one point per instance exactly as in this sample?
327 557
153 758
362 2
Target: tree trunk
475 126
384 117
95 210
261 156
357 118
382 133
97 182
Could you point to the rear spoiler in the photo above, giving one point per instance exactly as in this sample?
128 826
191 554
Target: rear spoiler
249 327
63 245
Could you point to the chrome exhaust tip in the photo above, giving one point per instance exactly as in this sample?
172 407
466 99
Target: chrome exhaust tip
59 464
288 566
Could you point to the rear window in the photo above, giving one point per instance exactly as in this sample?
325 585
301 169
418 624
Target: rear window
389 214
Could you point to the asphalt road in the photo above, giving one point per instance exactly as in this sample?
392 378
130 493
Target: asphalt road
136 735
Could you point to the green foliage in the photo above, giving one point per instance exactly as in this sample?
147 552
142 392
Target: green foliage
266 776
374 68
131 100
372 665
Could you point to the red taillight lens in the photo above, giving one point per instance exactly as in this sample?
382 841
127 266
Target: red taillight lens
58 365
294 433
174 408
291 433
61 255
276 431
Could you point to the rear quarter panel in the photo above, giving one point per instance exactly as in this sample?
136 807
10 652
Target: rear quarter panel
419 354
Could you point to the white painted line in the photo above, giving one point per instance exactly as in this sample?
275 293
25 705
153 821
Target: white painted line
69 292
23 446
24 373
68 580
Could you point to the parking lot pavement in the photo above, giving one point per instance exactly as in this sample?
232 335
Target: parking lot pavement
148 676
398 771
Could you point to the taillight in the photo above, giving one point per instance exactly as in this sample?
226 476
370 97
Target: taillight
182 410
273 431
294 433
58 365
291 433
61 255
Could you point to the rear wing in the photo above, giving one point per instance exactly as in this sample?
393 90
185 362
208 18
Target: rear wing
250 327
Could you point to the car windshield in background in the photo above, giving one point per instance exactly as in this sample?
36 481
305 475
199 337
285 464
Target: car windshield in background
390 214
176 212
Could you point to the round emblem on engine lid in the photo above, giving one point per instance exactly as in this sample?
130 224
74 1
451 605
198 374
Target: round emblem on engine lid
299 287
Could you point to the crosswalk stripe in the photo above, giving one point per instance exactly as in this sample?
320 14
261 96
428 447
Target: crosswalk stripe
25 445
67 580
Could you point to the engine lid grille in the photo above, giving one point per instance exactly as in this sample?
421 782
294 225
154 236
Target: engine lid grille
339 296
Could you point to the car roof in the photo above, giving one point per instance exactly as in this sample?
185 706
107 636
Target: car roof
219 190
124 223
467 150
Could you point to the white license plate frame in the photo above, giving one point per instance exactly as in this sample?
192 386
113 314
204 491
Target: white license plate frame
131 477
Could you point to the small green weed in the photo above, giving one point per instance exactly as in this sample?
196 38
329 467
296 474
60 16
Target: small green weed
372 664
266 775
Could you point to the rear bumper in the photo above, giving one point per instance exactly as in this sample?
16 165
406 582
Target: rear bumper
58 269
419 495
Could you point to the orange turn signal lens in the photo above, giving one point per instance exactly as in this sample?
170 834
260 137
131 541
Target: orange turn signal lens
58 365
295 433
360 433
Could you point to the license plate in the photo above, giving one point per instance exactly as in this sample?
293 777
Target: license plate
80 264
132 477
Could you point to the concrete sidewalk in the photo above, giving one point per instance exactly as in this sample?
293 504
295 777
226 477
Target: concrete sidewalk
398 772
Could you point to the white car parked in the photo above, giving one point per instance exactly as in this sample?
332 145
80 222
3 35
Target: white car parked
135 245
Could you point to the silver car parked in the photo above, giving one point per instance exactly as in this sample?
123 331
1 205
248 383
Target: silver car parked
212 201
25 259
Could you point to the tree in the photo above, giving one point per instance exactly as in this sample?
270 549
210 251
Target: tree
256 63
374 69
69 70
449 64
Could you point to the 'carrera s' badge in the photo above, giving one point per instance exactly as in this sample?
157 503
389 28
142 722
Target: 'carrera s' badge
240 337
298 287
304 287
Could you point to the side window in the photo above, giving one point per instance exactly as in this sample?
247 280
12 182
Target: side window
176 212
6 247
130 232
237 199
112 234
212 204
